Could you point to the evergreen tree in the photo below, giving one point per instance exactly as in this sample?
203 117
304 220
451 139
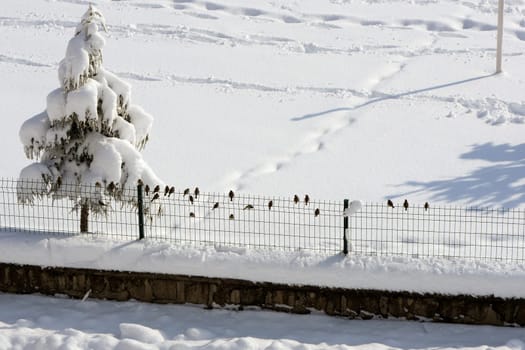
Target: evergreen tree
90 134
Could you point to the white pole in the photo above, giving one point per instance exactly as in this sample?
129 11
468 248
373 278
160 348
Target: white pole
499 36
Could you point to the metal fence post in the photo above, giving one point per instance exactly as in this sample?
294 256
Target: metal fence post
345 228
499 35
140 210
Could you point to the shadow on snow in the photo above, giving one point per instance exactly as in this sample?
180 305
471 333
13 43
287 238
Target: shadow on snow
383 97
500 183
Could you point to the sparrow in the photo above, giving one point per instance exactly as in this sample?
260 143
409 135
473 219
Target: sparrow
186 191
232 217
317 212
249 206
191 199
389 203
270 205
156 196
296 199
405 204
166 190
196 192
146 190
156 189
139 181
111 187
306 199
426 206
231 195
192 214
215 206
172 190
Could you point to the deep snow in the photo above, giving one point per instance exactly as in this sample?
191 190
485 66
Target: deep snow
341 99
36 322
355 99
448 276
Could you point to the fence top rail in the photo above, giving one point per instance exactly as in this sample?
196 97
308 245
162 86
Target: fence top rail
180 193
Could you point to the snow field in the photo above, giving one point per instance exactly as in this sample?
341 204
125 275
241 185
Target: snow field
396 273
292 89
340 99
38 322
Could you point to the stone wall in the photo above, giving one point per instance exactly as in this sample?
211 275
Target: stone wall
216 292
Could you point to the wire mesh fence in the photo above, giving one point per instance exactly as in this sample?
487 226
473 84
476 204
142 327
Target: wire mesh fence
60 214
452 232
279 223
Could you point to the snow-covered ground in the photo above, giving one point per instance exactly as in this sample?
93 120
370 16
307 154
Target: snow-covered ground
423 275
361 99
36 322
357 99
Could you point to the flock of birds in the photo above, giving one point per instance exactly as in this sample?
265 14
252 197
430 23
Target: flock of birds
168 191
390 204
192 196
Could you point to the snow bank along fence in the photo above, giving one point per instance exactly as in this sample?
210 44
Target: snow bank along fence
223 219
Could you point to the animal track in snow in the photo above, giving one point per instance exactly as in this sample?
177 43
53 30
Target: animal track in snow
23 61
231 84
292 17
494 111
48 23
314 143
199 35
136 76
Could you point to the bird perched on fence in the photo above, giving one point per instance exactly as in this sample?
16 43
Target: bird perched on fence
426 206
306 199
405 205
186 191
389 203
231 195
296 199
232 217
111 187
248 206
146 190
270 205
192 214
191 199
166 190
172 190
156 189
317 212
196 192
215 206
156 196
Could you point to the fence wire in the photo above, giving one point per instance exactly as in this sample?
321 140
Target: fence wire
280 223
453 232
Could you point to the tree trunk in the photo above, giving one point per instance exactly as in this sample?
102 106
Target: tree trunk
84 214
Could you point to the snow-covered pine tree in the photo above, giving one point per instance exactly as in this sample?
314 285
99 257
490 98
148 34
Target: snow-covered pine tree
90 134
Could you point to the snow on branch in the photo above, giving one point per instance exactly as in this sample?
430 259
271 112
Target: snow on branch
33 135
90 134
84 51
